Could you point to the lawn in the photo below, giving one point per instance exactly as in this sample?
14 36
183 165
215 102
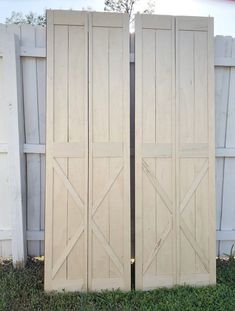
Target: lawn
23 290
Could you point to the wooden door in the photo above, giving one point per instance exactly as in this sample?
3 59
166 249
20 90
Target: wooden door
66 151
109 159
154 152
195 150
175 221
88 190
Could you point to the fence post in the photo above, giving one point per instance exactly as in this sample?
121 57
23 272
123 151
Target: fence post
13 100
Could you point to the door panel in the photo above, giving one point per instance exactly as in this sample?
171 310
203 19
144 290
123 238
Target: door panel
195 150
155 159
67 151
88 191
175 221
109 162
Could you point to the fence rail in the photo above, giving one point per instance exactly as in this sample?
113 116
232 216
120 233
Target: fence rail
32 52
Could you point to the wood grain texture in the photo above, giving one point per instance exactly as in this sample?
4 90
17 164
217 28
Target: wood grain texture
175 186
109 152
224 60
155 152
195 177
67 171
88 204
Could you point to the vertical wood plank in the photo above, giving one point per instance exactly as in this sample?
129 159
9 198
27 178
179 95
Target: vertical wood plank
49 154
78 131
223 48
211 166
12 91
186 135
228 213
5 212
11 29
60 217
31 113
41 97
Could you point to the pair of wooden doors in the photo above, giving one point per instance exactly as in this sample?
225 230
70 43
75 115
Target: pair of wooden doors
175 173
87 240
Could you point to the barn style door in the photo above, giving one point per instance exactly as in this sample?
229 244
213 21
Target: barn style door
155 160
67 151
195 156
175 222
87 189
109 157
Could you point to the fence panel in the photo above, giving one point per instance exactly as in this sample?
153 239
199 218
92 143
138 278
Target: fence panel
34 101
33 82
225 141
14 170
5 211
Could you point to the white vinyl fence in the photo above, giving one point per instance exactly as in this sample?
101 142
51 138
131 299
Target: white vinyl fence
32 80
225 141
22 139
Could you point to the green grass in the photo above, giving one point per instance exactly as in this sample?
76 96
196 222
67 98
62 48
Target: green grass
23 290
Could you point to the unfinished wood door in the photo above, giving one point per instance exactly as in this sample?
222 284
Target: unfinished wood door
109 161
88 187
195 150
154 156
66 151
175 221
